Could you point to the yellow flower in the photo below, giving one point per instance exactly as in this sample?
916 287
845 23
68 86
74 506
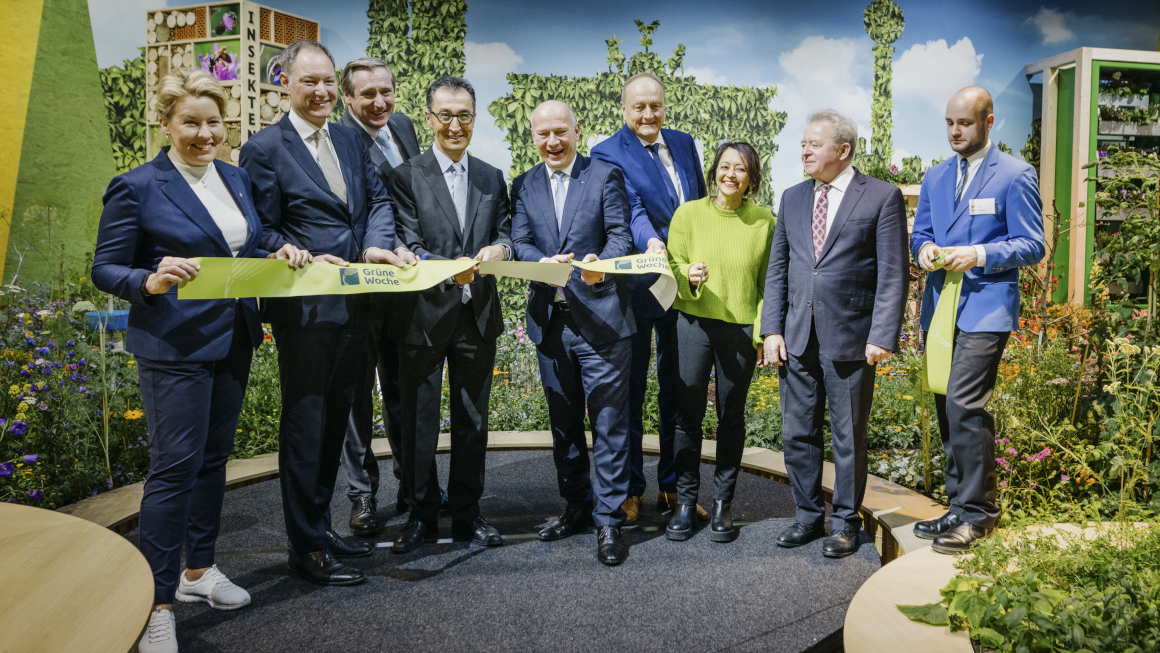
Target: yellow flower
134 414
908 397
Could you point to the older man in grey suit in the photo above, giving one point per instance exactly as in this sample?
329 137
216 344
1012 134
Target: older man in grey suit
834 295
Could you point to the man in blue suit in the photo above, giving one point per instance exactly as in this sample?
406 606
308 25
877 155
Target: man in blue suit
315 187
981 210
661 171
571 204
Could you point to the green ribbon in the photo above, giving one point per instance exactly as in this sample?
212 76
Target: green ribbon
940 338
230 278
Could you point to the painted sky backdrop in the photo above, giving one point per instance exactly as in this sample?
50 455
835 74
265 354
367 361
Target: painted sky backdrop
816 54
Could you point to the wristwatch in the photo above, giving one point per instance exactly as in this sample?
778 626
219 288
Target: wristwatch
145 294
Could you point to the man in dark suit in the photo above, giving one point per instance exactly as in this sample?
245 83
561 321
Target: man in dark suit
368 91
834 295
570 205
315 187
661 171
449 205
981 210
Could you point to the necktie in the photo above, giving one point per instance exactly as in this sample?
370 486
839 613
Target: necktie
459 192
560 194
389 149
962 185
328 165
654 150
818 224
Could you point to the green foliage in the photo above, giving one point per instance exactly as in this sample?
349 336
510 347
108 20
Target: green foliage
710 113
884 23
1004 148
262 408
1133 115
421 40
1039 591
1031 148
124 95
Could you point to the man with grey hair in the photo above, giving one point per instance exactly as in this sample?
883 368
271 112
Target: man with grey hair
368 91
834 295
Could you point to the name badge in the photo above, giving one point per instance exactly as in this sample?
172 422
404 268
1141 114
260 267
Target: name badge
983 207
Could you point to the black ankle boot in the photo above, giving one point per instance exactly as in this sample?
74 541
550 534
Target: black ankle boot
681 523
721 524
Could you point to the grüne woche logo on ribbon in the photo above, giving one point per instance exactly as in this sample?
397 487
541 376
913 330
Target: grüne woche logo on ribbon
348 276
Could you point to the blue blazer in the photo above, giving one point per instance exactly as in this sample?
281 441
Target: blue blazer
594 222
1012 237
297 206
651 208
150 213
853 295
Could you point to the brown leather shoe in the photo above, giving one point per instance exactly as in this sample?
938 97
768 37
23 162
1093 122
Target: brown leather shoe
667 502
631 507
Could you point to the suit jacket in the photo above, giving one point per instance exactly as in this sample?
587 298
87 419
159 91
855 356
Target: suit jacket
855 293
150 213
595 221
403 131
428 224
297 206
1012 237
651 208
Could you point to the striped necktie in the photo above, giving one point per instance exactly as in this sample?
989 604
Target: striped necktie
962 185
818 224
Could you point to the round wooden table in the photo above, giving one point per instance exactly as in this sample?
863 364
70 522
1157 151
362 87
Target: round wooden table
873 622
68 584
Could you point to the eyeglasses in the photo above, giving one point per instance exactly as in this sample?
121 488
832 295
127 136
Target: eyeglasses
463 118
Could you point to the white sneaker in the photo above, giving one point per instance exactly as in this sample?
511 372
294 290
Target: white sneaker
213 588
160 635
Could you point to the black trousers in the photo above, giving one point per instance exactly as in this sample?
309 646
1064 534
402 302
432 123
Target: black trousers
192 412
319 369
705 344
470 360
968 430
807 383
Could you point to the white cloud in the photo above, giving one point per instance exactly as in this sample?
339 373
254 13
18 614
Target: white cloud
1053 25
932 71
899 155
823 73
487 59
706 76
487 67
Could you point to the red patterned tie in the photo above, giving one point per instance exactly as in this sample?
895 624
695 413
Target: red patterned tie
819 222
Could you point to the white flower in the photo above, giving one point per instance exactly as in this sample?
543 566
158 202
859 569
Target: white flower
42 313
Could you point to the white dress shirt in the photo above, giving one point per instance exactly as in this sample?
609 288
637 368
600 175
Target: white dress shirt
207 184
667 159
445 165
306 132
390 136
974 162
552 193
834 195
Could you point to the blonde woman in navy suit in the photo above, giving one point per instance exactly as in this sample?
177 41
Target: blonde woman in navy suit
193 357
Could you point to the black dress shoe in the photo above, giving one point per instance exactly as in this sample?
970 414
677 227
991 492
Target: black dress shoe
415 532
682 523
476 530
800 534
576 519
344 548
840 544
364 517
611 549
959 538
721 527
932 528
322 568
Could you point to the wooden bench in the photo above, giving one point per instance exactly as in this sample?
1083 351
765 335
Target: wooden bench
888 509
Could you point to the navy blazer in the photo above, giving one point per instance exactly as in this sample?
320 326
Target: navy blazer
594 222
854 294
651 209
150 213
297 206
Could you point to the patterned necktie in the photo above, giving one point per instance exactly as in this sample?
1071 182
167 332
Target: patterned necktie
388 147
962 185
654 150
459 192
818 224
560 194
328 165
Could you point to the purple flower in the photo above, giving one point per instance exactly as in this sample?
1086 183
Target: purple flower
1002 483
893 170
18 427
6 469
31 458
1033 486
71 343
1064 478
36 495
42 406
1012 451
81 362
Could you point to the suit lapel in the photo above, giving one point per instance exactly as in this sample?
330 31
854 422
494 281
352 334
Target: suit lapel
849 200
178 191
404 131
474 194
943 215
434 180
982 176
575 194
539 192
642 158
237 191
301 154
351 162
376 152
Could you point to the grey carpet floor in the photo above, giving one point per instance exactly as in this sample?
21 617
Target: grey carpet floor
527 595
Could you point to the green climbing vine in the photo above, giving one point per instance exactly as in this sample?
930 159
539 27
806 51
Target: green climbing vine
884 24
421 40
124 96
709 113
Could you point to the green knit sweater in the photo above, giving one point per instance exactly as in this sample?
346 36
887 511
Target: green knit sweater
734 245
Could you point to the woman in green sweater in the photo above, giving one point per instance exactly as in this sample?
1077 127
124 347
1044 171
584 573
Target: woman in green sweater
719 250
